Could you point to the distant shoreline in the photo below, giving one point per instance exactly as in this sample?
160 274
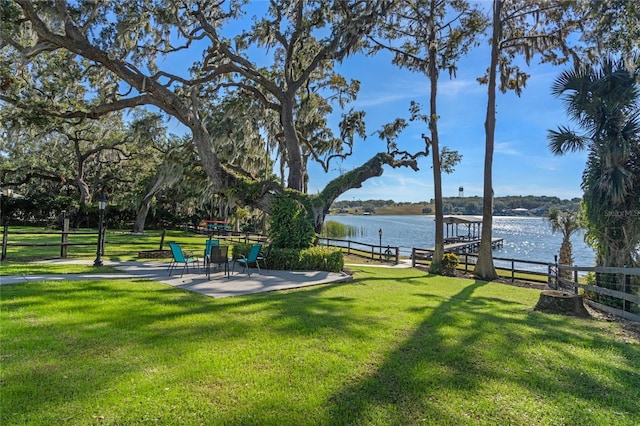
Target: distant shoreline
430 214
527 206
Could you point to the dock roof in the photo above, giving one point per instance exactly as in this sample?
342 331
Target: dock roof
462 219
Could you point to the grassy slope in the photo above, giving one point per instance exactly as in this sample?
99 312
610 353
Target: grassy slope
393 347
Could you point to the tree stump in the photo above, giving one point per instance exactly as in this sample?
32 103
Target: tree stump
560 302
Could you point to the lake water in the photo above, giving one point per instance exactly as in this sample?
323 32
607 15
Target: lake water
525 238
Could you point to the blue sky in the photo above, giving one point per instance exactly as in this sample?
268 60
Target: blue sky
523 165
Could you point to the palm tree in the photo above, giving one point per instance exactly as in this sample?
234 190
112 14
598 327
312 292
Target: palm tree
568 224
605 103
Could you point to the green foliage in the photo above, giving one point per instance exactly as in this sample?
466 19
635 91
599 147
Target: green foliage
449 264
605 102
537 205
321 259
318 258
314 258
283 259
333 229
241 249
249 189
290 226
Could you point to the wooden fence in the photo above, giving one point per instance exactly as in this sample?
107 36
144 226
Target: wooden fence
372 251
542 272
613 290
228 235
64 243
18 238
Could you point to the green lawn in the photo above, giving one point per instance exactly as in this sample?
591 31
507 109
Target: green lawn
393 347
28 268
120 245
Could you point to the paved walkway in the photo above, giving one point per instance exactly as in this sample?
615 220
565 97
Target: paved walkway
218 286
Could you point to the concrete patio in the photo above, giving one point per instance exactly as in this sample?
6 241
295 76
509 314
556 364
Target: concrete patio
217 286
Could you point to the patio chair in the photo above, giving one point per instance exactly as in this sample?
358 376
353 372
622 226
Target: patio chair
252 258
180 258
219 255
210 243
263 255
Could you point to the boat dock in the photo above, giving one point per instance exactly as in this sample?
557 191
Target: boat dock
464 247
470 246
463 242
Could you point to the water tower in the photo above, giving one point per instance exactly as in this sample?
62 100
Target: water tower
460 192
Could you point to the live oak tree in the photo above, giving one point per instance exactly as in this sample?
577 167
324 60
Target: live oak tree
91 157
429 37
114 48
520 29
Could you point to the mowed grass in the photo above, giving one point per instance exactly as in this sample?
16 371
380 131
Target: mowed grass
393 347
29 268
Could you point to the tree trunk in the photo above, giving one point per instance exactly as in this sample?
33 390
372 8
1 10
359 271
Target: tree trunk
566 258
167 174
318 205
141 216
83 189
485 268
294 156
435 156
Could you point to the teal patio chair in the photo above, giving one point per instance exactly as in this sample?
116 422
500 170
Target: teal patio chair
264 255
210 243
252 258
180 258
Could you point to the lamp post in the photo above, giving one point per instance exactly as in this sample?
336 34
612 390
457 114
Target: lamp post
102 204
380 235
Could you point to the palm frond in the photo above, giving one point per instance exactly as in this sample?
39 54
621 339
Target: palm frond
565 140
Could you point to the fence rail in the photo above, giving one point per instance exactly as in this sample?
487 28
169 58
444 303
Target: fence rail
228 235
387 253
543 274
12 238
613 290
64 243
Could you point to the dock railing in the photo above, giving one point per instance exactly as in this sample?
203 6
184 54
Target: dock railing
371 251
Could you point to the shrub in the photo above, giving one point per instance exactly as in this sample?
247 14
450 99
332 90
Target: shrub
449 264
289 226
317 258
314 258
241 249
321 259
333 229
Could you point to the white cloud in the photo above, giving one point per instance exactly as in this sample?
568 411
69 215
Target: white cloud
506 148
457 87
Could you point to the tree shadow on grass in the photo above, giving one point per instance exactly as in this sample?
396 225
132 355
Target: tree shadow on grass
413 383
101 332
458 346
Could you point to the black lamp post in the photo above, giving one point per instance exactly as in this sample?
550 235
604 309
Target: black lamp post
102 204
380 235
